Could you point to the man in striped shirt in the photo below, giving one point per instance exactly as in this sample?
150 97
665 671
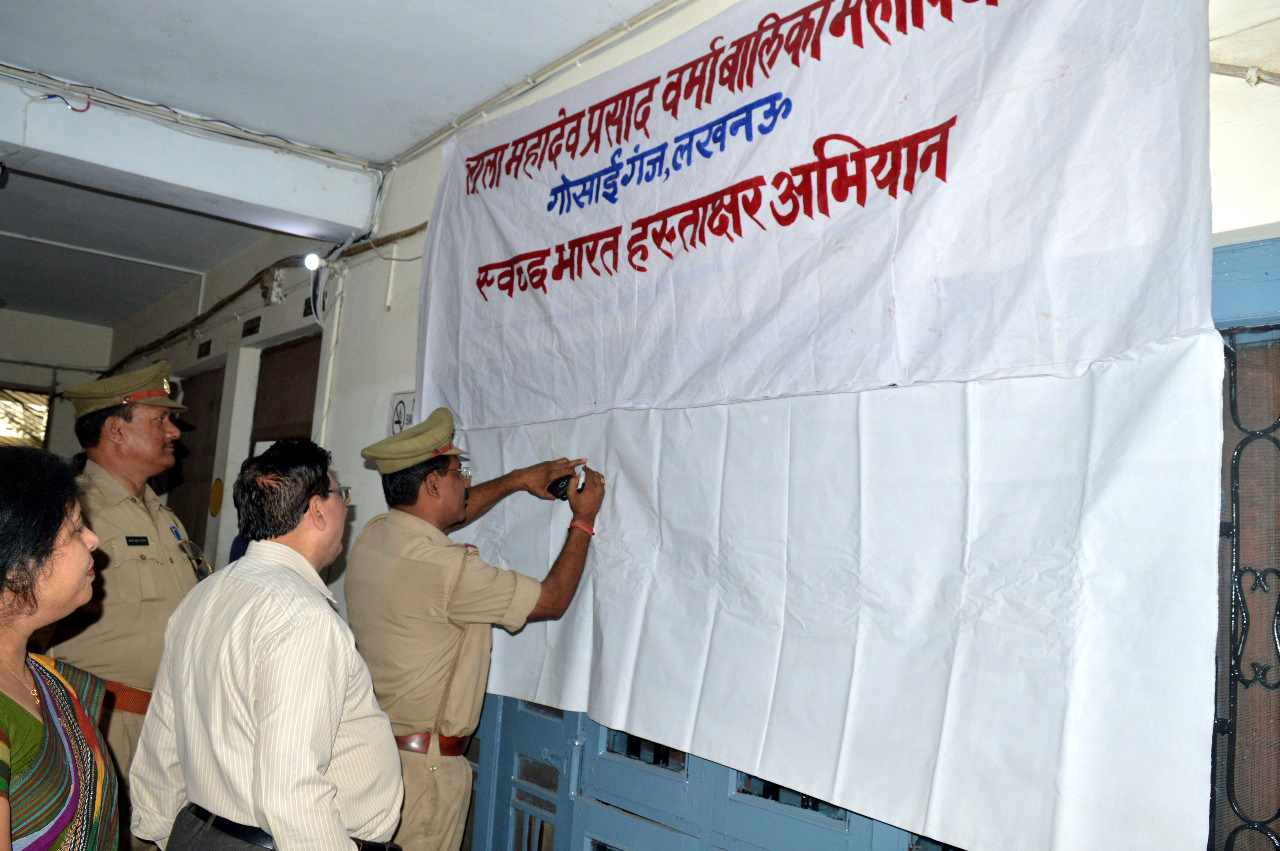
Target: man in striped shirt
263 730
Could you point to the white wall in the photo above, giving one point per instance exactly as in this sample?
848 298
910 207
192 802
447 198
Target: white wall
62 344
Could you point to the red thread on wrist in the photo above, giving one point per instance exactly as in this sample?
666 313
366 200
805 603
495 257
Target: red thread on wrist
584 527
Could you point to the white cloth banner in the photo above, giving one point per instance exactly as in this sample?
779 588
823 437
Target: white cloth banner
979 610
825 197
984 612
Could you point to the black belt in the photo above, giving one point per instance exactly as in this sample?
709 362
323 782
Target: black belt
258 836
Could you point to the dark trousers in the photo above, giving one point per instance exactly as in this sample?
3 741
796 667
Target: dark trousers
191 834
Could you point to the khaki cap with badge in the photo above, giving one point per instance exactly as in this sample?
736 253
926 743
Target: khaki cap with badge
146 386
430 438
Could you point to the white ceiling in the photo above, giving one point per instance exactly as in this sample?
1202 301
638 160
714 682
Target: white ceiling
367 81
126 253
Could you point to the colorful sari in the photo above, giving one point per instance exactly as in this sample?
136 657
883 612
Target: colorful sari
65 798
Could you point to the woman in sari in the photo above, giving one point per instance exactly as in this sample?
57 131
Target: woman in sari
57 785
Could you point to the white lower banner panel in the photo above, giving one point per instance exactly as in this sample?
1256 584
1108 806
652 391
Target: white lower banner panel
984 612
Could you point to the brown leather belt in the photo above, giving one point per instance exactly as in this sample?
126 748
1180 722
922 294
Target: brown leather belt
421 743
122 698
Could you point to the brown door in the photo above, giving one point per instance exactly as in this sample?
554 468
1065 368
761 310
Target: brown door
287 378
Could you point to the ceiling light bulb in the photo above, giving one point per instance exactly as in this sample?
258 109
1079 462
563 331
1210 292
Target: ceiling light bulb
313 261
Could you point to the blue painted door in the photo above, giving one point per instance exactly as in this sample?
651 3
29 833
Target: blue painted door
532 760
557 781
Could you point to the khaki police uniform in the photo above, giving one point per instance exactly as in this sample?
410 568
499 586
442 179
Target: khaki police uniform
422 609
143 573
119 635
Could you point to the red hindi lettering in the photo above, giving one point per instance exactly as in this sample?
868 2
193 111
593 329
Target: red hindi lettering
804 35
523 272
886 8
562 137
691 223
621 119
807 188
473 174
507 277
568 261
611 121
606 244
772 41
637 251
943 6
484 170
595 126
937 141
642 108
516 160
887 168
653 229
725 218
492 174
572 133
531 270
933 154
571 256
795 190
851 15
693 80
738 66
484 279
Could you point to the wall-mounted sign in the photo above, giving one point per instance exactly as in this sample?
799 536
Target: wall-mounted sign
402 416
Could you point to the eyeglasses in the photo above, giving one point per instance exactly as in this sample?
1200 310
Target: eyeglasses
465 472
195 555
343 491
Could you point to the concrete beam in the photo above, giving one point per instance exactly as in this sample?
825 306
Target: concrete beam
146 158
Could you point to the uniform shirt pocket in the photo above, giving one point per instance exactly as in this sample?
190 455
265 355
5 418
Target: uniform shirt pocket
131 575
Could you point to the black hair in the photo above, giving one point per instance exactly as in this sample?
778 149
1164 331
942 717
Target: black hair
89 427
274 489
403 486
37 492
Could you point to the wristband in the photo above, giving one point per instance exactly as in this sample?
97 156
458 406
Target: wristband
584 527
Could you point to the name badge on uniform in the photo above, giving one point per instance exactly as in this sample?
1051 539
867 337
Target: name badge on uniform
136 540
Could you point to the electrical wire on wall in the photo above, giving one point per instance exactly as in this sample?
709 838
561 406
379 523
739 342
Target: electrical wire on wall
54 88
320 278
382 256
88 102
90 370
1251 74
333 332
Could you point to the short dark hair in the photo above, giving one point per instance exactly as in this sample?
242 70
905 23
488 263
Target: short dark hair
89 427
274 489
403 486
37 492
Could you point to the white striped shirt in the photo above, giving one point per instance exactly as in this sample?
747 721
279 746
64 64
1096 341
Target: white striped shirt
264 713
